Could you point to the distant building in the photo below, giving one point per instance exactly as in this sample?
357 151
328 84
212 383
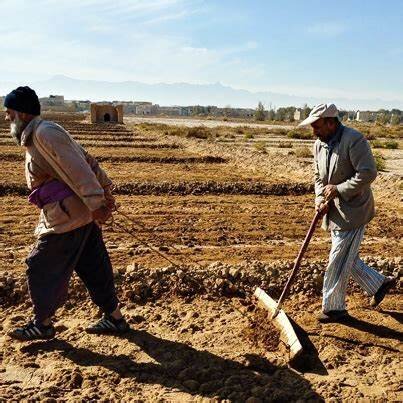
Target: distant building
106 113
135 107
52 100
81 106
351 115
298 114
170 110
362 116
366 116
129 107
143 108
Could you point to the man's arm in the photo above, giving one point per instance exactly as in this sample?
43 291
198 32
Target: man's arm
100 174
68 161
319 197
102 178
363 162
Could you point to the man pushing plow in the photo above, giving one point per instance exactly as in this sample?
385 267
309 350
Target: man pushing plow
344 171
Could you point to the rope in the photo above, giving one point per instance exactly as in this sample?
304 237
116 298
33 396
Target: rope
130 231
143 227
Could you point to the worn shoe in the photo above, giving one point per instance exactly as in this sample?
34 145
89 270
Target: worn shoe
33 331
378 297
332 316
108 325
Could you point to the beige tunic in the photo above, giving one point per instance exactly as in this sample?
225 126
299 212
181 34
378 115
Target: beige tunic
51 153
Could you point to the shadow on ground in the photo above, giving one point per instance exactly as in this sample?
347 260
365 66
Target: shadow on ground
186 369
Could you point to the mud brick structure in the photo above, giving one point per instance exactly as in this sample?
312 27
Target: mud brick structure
107 113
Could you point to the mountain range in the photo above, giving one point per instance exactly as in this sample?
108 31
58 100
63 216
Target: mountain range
185 94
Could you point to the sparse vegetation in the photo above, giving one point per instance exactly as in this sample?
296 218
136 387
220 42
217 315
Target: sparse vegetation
260 146
303 152
379 161
377 131
374 130
249 136
390 144
304 134
284 144
376 143
229 136
280 131
200 132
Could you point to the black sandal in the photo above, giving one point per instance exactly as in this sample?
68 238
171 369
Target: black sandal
390 282
33 331
109 325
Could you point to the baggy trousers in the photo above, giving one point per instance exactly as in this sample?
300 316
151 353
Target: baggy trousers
343 263
51 264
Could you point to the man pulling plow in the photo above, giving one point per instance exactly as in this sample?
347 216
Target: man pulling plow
74 196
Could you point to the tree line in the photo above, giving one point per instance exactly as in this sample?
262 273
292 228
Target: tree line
383 116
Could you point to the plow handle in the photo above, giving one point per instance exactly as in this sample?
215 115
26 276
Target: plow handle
297 262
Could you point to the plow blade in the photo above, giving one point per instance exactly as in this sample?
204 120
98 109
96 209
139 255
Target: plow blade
288 335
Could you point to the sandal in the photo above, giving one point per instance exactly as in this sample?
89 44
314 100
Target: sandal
332 316
33 331
108 325
378 297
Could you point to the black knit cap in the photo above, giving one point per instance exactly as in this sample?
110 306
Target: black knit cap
23 99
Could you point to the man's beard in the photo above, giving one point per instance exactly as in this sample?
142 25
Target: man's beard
16 129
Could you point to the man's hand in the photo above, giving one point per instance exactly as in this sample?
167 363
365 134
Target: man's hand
110 200
322 208
102 214
330 192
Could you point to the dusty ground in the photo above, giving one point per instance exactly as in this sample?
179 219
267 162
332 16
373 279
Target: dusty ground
194 122
233 219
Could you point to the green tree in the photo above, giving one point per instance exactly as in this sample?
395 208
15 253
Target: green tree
306 110
382 117
271 114
285 113
281 114
395 120
227 111
260 113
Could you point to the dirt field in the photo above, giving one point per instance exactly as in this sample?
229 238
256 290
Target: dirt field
194 122
231 216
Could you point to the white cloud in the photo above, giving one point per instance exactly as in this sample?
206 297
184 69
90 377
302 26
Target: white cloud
145 40
118 41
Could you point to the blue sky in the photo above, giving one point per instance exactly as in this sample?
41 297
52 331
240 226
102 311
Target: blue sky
350 49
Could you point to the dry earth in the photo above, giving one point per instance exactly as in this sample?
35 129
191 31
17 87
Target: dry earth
230 218
192 122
